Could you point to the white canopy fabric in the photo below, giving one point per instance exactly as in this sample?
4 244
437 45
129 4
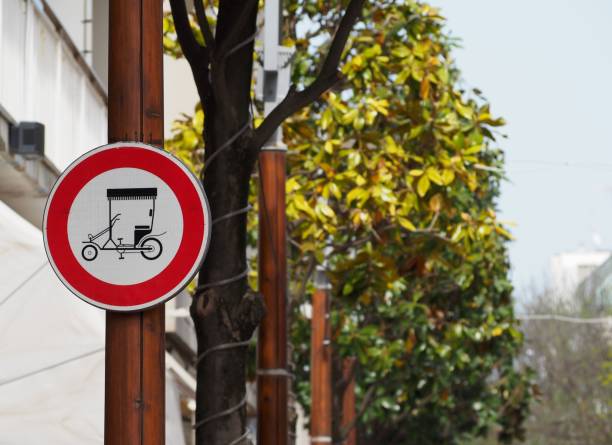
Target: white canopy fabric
51 351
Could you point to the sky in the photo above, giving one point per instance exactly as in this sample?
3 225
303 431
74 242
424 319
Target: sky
546 67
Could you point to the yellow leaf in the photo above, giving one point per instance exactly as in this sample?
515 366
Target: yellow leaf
503 232
472 182
326 118
434 175
403 75
357 61
334 190
350 116
391 145
435 203
328 147
496 332
425 87
415 172
380 105
292 185
410 341
405 223
448 176
472 150
324 211
464 110
423 185
356 193
401 51
301 204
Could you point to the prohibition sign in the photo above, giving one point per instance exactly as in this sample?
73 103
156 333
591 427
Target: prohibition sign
126 226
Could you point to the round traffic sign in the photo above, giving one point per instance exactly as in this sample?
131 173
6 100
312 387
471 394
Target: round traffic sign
126 226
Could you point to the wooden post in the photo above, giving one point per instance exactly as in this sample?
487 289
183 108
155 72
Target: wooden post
348 401
272 381
135 349
321 364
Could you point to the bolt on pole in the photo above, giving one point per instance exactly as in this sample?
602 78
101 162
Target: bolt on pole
135 346
321 363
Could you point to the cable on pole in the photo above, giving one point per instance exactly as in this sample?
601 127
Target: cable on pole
222 347
234 213
227 144
220 414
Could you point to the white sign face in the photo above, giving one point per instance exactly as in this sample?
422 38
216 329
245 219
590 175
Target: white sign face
161 214
126 226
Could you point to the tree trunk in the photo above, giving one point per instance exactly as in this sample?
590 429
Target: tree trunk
225 314
224 310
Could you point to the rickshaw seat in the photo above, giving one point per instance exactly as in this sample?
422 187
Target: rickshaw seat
140 232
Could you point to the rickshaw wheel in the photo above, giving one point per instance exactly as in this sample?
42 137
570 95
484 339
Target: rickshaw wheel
157 248
89 253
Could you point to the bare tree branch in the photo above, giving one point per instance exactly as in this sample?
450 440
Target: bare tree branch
327 77
368 398
193 51
343 382
236 29
225 46
204 26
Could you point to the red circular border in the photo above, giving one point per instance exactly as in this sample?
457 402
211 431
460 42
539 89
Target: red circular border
125 296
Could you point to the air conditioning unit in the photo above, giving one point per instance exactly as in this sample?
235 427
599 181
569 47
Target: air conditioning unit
27 139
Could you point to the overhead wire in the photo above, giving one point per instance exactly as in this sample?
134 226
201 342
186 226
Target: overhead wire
564 318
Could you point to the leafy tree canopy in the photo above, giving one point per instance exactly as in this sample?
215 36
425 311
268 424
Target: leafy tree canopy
393 180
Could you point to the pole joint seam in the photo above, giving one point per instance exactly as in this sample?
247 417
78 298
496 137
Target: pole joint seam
275 372
324 439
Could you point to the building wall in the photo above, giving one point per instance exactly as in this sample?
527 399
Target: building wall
42 79
71 14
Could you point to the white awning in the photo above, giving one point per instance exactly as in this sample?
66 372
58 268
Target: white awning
51 351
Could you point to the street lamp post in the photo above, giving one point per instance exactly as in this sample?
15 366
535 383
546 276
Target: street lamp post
272 381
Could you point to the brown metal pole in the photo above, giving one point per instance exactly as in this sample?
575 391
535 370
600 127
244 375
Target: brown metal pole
321 364
272 381
348 401
134 411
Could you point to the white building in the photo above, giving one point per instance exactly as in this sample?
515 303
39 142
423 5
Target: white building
569 269
53 71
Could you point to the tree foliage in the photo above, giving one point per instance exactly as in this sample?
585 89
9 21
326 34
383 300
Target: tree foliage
393 180
225 309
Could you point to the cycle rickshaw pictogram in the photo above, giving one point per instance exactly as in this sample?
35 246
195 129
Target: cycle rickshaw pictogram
149 246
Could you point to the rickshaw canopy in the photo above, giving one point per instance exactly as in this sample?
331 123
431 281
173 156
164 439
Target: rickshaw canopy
131 193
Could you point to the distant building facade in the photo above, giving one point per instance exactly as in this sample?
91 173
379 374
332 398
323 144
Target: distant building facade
569 269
